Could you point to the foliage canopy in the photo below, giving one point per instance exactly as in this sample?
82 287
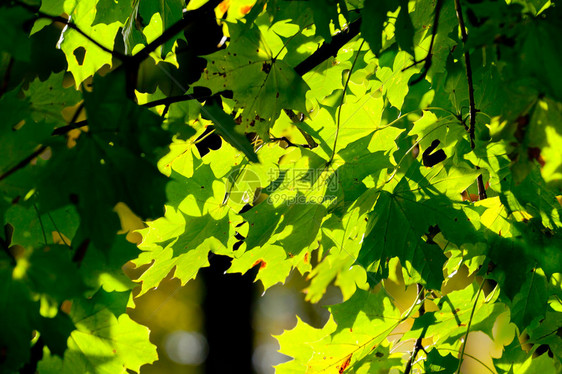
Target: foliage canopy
368 145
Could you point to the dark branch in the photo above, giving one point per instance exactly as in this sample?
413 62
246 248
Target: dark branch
472 105
133 63
428 60
324 52
23 163
298 119
175 29
328 50
63 130
59 131
81 252
175 99
417 345
73 26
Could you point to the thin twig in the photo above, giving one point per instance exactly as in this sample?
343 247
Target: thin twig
289 143
428 60
472 105
341 102
73 26
40 223
59 131
417 345
461 357
23 163
299 119
199 140
174 99
328 50
58 231
173 30
63 130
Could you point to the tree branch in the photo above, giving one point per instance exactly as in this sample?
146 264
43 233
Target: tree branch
59 131
417 345
328 50
428 60
175 29
63 130
73 26
174 99
472 114
72 124
23 163
461 355
323 53
298 119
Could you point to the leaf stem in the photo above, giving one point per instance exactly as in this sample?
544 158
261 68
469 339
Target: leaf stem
411 148
298 119
468 326
328 50
204 137
472 357
472 124
58 231
417 345
40 223
63 130
341 102
174 99
23 163
429 58
73 26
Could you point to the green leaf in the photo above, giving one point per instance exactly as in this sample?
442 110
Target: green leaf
52 272
454 311
169 12
436 363
102 342
529 304
299 343
55 332
49 98
256 76
108 164
15 24
363 322
360 180
226 127
194 224
376 14
18 322
401 219
83 56
19 134
109 11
